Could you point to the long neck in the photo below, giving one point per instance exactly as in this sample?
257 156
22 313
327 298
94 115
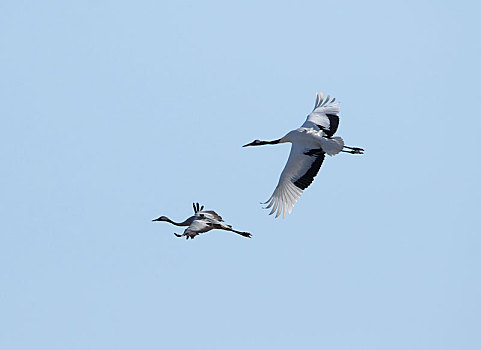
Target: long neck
284 139
184 223
260 143
270 142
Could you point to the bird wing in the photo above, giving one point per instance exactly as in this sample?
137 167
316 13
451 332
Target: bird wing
198 210
324 116
210 214
198 226
301 168
197 207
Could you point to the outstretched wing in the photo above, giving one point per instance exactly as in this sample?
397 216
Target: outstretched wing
301 168
324 116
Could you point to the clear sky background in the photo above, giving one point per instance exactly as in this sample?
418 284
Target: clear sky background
114 113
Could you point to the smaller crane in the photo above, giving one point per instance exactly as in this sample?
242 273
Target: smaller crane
202 221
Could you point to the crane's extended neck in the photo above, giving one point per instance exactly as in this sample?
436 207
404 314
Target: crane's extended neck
260 143
183 223
187 222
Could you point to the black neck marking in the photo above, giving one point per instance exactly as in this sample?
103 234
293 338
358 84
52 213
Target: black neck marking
272 142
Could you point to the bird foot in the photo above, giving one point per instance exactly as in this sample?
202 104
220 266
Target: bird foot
353 150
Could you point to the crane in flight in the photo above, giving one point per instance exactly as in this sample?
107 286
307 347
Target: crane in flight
310 143
202 221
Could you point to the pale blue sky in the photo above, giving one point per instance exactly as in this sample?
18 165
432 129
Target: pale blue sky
117 112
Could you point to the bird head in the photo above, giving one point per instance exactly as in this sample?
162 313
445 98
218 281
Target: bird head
162 218
255 143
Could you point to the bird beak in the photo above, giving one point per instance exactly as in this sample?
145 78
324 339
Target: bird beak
249 144
158 219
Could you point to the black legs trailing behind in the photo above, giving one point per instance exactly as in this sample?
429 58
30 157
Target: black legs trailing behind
353 150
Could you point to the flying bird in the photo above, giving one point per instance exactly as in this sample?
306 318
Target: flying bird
202 221
310 143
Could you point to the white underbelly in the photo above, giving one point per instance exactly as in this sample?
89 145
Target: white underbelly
309 138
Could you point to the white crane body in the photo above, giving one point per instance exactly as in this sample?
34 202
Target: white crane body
310 143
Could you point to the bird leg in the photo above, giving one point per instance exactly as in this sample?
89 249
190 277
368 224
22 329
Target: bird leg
245 234
177 235
353 150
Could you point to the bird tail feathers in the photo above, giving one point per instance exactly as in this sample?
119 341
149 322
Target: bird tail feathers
333 145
